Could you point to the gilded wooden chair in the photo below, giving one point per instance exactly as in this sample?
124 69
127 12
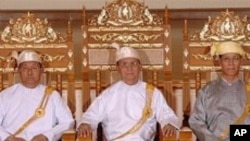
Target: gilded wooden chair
31 32
126 22
198 66
129 23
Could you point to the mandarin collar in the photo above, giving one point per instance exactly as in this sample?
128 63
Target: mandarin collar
30 89
131 86
235 82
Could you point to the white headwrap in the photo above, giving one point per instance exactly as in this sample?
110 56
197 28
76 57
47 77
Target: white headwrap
226 47
28 55
125 52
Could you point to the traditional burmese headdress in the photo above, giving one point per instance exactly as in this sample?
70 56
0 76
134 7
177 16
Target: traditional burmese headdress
125 52
25 56
227 47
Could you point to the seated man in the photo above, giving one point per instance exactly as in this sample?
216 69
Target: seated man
221 102
130 108
30 111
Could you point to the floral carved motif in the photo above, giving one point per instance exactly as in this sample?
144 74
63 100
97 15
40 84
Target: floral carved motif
226 26
30 29
125 12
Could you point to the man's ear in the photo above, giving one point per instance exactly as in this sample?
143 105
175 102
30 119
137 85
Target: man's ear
216 61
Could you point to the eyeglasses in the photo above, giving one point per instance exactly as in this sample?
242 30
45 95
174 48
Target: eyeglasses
128 64
231 59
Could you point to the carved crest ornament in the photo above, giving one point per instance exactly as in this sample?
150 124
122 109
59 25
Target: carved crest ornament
125 12
32 32
225 27
125 15
30 29
128 22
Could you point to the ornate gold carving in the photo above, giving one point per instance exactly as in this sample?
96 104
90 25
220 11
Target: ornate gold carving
125 12
49 58
200 44
204 68
84 34
213 68
167 49
70 65
209 56
70 53
84 62
9 60
84 50
166 33
125 28
203 57
185 52
7 69
113 67
226 26
185 65
30 29
42 45
167 61
56 69
115 37
46 69
102 67
134 45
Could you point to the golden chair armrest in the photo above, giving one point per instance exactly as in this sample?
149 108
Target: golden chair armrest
185 135
169 138
69 135
180 136
88 138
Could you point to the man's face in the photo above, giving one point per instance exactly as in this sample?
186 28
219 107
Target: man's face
129 69
230 65
30 73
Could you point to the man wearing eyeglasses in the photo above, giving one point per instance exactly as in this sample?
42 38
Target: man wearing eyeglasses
29 110
221 102
130 108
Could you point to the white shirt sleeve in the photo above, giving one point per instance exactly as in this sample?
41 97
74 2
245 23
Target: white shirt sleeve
3 133
95 112
64 118
164 114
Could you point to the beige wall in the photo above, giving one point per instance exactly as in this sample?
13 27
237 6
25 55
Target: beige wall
96 4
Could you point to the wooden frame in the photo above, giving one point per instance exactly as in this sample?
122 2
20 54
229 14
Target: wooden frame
128 23
138 28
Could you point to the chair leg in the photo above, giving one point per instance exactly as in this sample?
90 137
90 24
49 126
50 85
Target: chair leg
99 132
158 132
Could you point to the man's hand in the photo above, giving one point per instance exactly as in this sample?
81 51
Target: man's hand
40 137
12 138
84 130
168 130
